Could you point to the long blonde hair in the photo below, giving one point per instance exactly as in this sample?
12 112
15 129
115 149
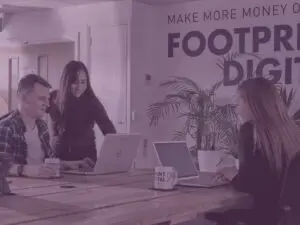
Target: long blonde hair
275 131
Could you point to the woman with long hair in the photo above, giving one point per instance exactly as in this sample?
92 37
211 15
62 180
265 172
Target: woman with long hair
268 140
74 110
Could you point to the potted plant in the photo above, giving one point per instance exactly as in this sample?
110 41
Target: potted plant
211 126
196 106
229 142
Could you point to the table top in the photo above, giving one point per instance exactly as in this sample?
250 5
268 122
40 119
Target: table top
125 199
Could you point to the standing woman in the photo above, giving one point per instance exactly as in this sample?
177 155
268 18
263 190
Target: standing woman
74 110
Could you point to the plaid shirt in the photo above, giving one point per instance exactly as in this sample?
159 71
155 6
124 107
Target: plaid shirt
12 139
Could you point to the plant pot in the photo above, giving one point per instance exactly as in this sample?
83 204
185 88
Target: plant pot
209 160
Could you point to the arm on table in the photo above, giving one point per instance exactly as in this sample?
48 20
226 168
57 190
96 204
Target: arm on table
18 168
86 164
242 181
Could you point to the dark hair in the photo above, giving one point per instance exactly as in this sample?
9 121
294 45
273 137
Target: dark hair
275 130
26 84
69 77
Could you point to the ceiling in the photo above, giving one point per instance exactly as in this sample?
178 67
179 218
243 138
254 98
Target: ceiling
15 9
17 6
163 2
13 42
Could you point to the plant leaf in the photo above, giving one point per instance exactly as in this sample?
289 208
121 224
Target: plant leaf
159 110
181 83
215 87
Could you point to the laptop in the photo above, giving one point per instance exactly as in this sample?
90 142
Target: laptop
177 155
117 154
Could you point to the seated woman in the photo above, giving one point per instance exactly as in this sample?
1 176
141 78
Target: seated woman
74 110
269 139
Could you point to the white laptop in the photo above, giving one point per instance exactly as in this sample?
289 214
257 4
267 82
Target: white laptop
117 154
178 156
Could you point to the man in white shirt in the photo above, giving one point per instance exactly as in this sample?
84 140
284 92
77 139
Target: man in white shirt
24 135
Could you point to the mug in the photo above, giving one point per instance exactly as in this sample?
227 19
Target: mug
165 178
55 163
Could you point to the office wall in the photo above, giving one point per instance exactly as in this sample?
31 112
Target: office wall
143 77
181 42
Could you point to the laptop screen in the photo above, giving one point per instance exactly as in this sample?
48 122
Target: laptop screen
177 155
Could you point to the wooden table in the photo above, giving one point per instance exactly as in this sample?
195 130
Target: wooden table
125 199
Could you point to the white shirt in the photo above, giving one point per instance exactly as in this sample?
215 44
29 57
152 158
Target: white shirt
35 155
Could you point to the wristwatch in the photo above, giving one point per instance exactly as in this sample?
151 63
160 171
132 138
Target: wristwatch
20 170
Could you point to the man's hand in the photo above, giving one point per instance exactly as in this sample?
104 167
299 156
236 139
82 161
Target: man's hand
40 171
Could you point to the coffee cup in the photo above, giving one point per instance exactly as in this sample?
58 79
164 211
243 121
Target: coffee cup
55 164
165 178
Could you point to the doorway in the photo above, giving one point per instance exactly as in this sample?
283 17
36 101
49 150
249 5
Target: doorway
13 79
46 59
42 64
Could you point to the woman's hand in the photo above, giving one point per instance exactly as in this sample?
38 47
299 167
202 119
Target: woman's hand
86 164
228 172
220 178
70 165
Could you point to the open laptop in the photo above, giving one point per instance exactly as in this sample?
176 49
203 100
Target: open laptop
177 155
116 156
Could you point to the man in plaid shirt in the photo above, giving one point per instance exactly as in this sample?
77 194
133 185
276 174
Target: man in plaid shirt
24 136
